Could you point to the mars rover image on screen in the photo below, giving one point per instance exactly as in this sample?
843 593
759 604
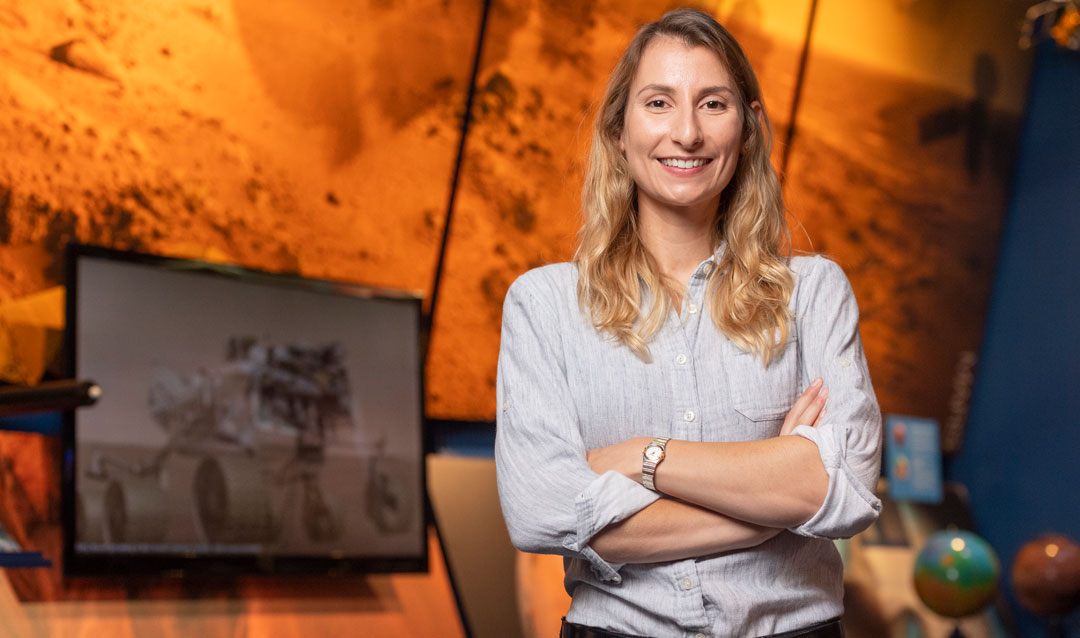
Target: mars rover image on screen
247 464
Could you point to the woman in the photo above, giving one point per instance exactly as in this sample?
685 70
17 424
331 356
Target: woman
670 457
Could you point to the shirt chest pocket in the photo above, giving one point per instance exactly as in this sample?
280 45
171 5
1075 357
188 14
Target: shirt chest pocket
764 394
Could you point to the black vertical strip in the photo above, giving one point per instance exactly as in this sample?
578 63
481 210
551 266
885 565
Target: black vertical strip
430 515
433 299
799 80
427 320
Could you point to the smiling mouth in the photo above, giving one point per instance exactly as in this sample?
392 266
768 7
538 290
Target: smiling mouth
684 163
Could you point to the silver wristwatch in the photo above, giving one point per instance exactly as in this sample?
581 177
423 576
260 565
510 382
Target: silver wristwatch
651 457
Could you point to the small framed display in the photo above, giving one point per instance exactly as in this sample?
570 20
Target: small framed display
913 458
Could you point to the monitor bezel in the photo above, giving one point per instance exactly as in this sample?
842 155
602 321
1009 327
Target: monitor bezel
107 565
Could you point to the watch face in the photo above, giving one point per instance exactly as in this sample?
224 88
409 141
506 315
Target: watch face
654 453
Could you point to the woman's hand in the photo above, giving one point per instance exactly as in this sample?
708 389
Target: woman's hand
809 408
624 458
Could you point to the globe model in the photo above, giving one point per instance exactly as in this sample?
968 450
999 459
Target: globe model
1046 575
956 573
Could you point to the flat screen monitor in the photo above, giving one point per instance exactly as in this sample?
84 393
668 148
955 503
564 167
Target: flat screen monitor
248 423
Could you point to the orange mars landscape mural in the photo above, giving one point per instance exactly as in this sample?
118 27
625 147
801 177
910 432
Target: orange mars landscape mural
321 137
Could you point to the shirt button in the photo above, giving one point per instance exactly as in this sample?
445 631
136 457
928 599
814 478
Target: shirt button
505 406
691 308
708 269
699 635
681 359
845 363
687 583
688 416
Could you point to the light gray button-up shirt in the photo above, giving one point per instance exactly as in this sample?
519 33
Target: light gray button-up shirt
564 388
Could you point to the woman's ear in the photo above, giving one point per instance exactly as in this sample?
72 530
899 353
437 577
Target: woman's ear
755 106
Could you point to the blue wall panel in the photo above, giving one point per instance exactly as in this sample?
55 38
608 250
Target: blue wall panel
1021 457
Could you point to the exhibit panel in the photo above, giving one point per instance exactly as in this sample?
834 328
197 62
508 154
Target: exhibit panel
312 138
901 170
542 72
309 137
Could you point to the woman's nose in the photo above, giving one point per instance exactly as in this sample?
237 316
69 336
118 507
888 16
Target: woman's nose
686 130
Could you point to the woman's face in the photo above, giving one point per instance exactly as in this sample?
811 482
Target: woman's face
683 131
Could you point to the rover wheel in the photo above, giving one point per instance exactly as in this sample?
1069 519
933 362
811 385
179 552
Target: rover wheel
231 502
134 510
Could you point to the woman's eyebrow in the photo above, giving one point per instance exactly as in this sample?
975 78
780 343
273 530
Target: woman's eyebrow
663 88
717 89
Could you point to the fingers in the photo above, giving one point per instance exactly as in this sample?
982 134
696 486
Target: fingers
804 400
812 414
809 408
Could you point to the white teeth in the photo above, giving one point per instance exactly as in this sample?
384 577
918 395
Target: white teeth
678 163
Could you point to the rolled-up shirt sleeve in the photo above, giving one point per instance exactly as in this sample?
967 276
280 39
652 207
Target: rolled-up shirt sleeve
551 499
849 438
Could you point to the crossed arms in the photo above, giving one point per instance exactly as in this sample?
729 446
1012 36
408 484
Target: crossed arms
730 495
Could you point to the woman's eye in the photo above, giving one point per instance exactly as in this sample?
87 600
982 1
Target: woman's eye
657 104
715 105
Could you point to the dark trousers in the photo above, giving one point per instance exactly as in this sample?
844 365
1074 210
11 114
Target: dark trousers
828 629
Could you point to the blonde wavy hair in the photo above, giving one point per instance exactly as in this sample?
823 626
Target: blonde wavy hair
749 289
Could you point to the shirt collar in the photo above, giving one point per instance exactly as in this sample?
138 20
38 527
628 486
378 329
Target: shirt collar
706 267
